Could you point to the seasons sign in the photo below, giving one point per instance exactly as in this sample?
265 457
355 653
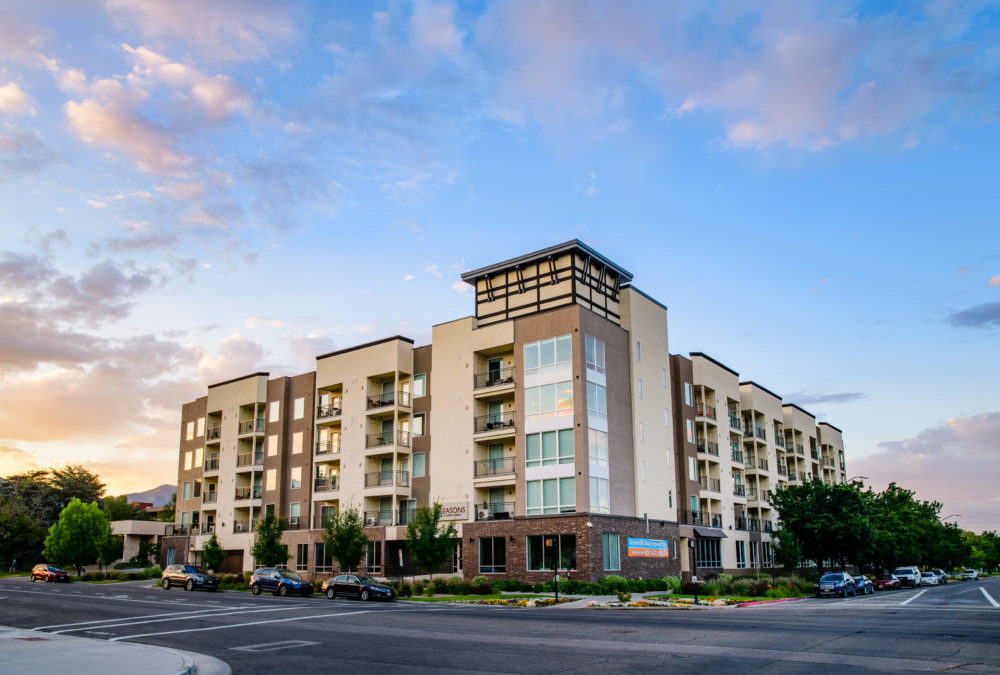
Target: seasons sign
455 511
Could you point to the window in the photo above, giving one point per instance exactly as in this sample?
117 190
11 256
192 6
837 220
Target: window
664 377
753 554
708 554
767 559
419 464
294 512
189 432
670 498
597 443
419 385
612 551
418 425
274 414
272 445
547 354
546 551
548 401
201 427
197 458
296 477
297 442
688 394
197 489
638 351
638 387
301 557
373 557
184 519
741 555
642 431
550 447
597 400
694 503
692 472
600 497
492 555
552 495
689 425
666 417
187 461
186 491
271 479
299 408
595 353
268 510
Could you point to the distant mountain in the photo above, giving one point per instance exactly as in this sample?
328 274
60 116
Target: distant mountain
158 495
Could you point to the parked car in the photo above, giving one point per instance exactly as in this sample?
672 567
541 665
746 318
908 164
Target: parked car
941 576
908 576
357 586
864 585
970 575
928 579
45 572
280 582
188 576
836 583
888 582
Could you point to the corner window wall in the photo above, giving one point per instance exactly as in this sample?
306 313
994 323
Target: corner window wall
548 401
550 447
595 354
546 355
549 551
551 495
600 495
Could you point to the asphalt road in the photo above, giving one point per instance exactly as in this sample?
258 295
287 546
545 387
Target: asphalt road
954 627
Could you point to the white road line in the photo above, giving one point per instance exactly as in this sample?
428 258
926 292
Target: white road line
129 618
912 598
273 646
96 597
989 597
240 625
110 622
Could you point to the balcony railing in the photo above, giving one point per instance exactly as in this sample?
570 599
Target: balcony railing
484 468
251 426
213 433
325 483
779 440
739 490
802 476
249 459
736 455
752 524
828 462
747 432
244 526
294 522
760 433
207 529
756 495
209 497
800 449
327 447
388 438
327 411
762 464
493 378
703 410
385 398
782 471
814 454
710 484
212 464
493 422
709 447
248 492
384 478
495 511
405 516
693 517
734 420
716 521
376 518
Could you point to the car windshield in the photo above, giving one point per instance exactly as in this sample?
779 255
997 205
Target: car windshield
192 569
903 570
970 570
55 569
290 575
832 577
367 580
859 578
927 574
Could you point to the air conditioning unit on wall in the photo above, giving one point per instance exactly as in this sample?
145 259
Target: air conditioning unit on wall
371 522
484 514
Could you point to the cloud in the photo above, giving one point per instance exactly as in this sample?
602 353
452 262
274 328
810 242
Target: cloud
994 281
142 236
978 316
408 277
432 27
461 287
22 41
254 322
15 460
433 270
954 463
802 398
236 356
22 152
966 271
13 101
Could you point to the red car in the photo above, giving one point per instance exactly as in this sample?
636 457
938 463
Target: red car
48 573
888 582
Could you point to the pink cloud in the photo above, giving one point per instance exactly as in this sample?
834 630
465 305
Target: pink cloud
995 281
13 101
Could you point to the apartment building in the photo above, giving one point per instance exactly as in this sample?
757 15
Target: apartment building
553 426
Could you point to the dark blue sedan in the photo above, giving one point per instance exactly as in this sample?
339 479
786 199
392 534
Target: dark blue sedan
836 583
864 585
279 582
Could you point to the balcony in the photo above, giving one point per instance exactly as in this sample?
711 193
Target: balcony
248 492
800 449
747 432
802 476
734 420
249 459
779 440
693 517
493 378
748 524
496 422
703 410
328 447
708 447
762 464
387 478
206 529
209 497
388 438
814 455
710 484
828 463
294 523
378 518
241 526
251 427
405 516
212 464
213 433
495 511
327 411
755 495
388 398
736 455
782 471
716 521
487 468
760 433
739 490
325 483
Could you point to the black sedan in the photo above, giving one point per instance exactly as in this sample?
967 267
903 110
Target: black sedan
188 576
356 586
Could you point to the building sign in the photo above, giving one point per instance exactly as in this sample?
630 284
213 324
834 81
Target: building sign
455 511
648 548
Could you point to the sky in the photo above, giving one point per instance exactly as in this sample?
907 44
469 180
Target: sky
193 191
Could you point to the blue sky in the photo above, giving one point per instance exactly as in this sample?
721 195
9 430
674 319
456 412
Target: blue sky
191 191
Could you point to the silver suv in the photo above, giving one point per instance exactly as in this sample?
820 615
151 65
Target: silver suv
909 576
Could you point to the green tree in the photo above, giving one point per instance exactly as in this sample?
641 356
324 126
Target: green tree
110 548
267 548
429 545
34 493
74 539
119 508
75 481
212 553
21 535
169 510
787 550
345 537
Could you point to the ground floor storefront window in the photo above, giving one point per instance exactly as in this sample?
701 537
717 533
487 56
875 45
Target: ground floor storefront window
548 550
492 555
709 554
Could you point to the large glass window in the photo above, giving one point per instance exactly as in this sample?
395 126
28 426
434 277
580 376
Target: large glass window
595 353
741 555
753 554
418 425
597 400
546 354
597 446
552 495
492 555
419 464
688 394
296 481
550 447
548 401
302 557
546 551
709 553
767 559
419 385
612 552
600 495
373 557
186 491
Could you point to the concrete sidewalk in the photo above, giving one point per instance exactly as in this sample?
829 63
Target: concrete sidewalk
28 652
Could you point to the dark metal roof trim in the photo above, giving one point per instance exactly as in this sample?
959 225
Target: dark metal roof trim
720 365
764 389
237 379
566 247
367 344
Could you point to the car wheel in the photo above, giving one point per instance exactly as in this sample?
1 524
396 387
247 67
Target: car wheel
282 591
330 593
165 583
364 595
255 589
189 586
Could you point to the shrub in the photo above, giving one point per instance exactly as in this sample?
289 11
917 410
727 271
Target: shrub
624 597
152 572
673 584
481 585
740 588
418 586
759 589
713 588
612 584
405 590
440 585
637 585
456 585
575 586
118 576
429 590
725 578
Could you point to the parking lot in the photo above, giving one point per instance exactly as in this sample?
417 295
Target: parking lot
955 627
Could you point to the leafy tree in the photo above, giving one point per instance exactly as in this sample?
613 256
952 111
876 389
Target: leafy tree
212 553
21 535
75 481
169 510
787 550
74 539
119 508
34 492
345 537
110 548
147 554
267 548
428 544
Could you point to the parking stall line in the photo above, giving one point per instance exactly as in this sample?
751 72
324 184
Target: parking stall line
110 623
912 598
989 597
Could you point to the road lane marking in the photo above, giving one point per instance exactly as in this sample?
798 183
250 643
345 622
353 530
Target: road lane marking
274 646
240 625
989 597
110 623
912 598
83 596
129 618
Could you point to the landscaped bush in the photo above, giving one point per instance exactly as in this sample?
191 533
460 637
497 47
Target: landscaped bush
440 585
673 584
457 586
481 585
501 585
418 587
725 578
429 590
577 587
740 588
152 572
612 584
713 588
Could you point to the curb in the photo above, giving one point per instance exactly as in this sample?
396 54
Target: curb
765 602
